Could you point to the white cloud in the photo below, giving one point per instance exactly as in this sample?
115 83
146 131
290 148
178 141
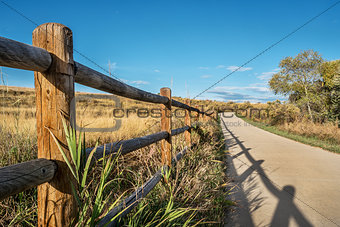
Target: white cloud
139 82
258 84
237 68
221 67
268 75
241 97
135 82
206 76
256 89
202 67
156 70
124 80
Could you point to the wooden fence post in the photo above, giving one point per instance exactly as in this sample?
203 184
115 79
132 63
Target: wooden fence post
54 93
198 115
166 126
187 134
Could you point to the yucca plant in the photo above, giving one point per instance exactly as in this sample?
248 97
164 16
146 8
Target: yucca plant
90 200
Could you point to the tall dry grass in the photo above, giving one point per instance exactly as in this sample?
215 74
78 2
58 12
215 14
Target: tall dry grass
287 119
326 131
197 181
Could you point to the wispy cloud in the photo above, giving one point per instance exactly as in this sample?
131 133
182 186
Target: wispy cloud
262 84
221 67
241 94
257 89
139 82
203 67
135 82
240 69
241 97
156 71
206 76
124 80
267 75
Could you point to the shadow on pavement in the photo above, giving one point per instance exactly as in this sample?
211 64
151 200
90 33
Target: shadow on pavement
242 214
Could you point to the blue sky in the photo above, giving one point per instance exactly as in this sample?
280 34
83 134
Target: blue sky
185 45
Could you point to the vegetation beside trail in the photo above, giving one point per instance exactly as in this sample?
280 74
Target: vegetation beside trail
329 144
194 195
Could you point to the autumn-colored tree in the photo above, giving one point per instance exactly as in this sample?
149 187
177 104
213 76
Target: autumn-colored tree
328 70
299 78
335 99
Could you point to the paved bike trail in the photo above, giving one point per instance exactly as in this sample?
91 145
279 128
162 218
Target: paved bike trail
276 181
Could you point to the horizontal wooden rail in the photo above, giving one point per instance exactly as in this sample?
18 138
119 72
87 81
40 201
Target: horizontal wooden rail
19 177
130 202
91 78
127 146
184 106
177 131
56 65
19 55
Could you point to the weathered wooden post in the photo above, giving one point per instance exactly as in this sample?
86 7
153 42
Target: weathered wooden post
187 134
54 93
198 114
166 146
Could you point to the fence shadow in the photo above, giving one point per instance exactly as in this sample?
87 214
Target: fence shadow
285 208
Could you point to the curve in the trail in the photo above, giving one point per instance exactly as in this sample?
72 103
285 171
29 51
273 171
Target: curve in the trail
279 182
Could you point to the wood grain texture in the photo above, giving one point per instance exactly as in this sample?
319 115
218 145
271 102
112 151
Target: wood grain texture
166 146
187 133
54 92
19 177
19 55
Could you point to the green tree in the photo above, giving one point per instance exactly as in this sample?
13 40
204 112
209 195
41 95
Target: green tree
335 99
299 78
328 70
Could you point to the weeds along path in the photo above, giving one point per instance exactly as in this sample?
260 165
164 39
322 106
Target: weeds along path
277 181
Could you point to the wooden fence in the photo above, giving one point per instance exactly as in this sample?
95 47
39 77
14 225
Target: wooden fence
51 57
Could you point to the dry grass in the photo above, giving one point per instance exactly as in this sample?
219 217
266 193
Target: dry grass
327 131
197 179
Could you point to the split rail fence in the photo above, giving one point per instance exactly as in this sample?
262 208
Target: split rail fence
51 57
